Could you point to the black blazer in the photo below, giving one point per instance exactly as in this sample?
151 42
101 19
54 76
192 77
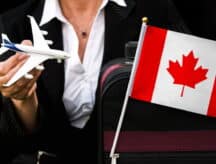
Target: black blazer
54 133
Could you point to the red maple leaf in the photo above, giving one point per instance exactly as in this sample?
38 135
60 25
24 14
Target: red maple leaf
186 74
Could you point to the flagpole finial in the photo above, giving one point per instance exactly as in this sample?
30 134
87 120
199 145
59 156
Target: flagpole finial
145 19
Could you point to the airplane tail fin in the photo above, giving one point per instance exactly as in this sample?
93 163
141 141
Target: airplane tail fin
5 39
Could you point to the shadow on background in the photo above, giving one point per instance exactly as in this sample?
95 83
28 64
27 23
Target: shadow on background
200 16
10 4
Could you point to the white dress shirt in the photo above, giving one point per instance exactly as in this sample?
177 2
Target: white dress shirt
80 78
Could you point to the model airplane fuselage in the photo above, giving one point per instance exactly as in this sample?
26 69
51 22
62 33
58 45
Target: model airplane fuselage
38 53
55 54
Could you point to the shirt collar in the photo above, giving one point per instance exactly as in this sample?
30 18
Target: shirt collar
52 10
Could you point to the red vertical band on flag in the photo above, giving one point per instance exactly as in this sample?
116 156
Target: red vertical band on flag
212 104
146 73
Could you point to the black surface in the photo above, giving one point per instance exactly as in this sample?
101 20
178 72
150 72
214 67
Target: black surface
199 16
10 4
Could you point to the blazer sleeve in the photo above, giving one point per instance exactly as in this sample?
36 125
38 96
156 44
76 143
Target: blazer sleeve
10 123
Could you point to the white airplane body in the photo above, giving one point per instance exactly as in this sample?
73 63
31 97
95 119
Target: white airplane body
56 54
38 53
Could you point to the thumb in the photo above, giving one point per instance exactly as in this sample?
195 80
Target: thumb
27 42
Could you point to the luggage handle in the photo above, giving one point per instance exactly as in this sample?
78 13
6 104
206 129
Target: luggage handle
130 50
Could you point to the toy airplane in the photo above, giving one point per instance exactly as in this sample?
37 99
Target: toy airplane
38 53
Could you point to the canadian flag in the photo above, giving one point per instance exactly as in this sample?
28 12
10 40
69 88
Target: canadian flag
175 70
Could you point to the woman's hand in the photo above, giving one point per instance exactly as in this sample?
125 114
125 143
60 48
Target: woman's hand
23 92
23 88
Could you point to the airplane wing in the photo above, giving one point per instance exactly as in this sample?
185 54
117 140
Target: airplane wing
33 61
38 39
3 50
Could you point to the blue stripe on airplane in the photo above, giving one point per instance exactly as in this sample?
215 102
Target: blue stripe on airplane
12 46
6 41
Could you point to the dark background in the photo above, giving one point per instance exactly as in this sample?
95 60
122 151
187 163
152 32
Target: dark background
9 4
199 15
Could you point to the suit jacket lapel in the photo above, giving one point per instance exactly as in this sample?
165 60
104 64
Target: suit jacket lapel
52 77
38 9
114 23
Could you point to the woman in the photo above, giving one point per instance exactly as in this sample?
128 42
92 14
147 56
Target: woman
56 109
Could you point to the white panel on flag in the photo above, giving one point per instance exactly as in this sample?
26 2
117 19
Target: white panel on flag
166 92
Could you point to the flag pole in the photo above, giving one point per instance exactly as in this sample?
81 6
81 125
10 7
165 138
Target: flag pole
114 156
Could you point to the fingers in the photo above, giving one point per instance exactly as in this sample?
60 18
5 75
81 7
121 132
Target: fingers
25 92
32 90
23 88
6 74
12 62
27 42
